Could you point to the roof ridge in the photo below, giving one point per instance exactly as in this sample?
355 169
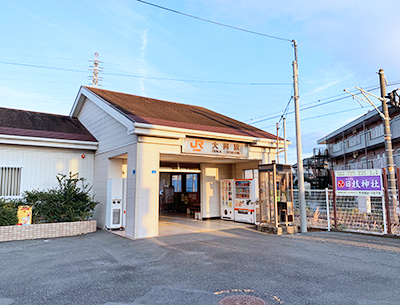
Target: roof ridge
150 98
38 112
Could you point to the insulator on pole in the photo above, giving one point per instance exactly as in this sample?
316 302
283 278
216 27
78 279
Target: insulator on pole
96 69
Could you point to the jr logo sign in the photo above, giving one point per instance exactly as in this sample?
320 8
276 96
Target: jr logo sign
214 147
197 145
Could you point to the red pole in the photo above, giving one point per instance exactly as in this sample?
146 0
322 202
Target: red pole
334 199
385 185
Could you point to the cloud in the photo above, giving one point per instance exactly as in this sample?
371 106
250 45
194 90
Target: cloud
142 61
323 87
11 93
359 36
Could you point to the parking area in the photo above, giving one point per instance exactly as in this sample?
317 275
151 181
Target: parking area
202 268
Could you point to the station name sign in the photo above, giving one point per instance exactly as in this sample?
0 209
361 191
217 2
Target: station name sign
213 147
366 182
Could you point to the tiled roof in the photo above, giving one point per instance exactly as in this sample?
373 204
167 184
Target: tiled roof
43 125
156 112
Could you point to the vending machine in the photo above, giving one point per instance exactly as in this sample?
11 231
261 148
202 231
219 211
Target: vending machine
245 201
227 199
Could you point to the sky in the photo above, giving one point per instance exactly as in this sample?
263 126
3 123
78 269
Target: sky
46 47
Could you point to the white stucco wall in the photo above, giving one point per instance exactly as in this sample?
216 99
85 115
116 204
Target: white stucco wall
103 171
114 141
211 174
40 165
110 133
147 183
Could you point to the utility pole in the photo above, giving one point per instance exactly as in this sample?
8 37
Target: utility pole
277 142
388 145
300 172
284 138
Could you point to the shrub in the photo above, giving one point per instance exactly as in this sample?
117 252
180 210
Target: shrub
65 203
8 213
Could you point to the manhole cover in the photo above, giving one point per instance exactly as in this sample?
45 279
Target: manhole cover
242 300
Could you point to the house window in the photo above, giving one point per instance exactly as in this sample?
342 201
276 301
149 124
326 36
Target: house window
191 183
177 183
10 181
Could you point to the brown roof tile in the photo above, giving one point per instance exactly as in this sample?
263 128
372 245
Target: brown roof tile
43 125
151 111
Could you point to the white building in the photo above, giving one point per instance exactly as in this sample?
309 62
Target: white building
35 147
137 145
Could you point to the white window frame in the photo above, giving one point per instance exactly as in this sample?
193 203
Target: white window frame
10 181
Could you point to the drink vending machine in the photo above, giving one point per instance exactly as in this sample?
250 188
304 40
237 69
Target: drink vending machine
245 201
227 199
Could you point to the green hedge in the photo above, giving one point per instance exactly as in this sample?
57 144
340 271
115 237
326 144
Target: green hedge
8 213
70 201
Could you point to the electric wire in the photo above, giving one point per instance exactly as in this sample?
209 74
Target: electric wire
321 104
286 108
214 22
316 117
149 77
369 88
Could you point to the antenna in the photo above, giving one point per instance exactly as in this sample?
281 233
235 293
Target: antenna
96 69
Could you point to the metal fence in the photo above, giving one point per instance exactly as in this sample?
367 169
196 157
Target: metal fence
351 214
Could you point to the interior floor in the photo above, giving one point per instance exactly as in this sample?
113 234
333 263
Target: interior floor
180 223
177 223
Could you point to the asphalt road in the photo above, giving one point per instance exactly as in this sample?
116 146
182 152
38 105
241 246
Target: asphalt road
202 268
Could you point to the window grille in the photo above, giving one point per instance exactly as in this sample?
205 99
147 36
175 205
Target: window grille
10 181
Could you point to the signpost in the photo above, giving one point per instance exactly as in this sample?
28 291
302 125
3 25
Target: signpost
367 182
364 184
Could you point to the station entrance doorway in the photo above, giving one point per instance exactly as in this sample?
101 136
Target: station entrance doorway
179 188
190 192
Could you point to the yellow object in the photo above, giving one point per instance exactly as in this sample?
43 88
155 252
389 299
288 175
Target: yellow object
24 215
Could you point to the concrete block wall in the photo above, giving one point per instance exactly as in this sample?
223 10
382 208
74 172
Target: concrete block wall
47 230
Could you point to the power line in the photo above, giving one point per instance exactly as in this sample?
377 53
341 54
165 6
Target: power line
199 81
333 113
41 67
316 117
149 77
286 108
317 101
321 104
214 22
369 88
